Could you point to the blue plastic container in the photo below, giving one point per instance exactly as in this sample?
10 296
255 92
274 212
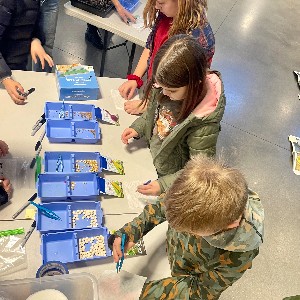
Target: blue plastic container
67 212
67 131
130 5
69 111
69 162
76 186
64 246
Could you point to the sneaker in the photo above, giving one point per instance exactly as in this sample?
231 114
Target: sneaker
92 35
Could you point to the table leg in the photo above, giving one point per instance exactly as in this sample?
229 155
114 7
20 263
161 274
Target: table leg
131 58
105 40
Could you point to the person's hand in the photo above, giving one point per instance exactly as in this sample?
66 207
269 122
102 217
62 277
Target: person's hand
150 189
135 107
37 51
125 15
3 148
117 253
127 89
7 186
127 134
12 87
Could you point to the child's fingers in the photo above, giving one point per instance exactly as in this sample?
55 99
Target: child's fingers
131 17
49 60
117 253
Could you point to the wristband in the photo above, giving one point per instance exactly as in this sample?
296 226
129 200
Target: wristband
138 79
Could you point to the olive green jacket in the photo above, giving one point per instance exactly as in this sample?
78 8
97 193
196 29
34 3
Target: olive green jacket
196 134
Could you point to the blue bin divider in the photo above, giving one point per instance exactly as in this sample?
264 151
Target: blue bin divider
65 246
69 111
68 211
68 131
59 186
73 162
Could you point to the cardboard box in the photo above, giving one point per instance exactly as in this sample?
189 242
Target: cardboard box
76 82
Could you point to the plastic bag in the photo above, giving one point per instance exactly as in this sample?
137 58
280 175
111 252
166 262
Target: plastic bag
136 200
12 256
18 171
123 285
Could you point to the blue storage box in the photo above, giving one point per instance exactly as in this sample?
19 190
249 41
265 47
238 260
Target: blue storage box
130 5
67 131
69 162
76 186
74 215
76 245
76 82
69 111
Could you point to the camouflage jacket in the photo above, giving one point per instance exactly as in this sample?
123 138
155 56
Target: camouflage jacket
201 267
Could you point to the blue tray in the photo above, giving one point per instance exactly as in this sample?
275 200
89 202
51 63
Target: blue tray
69 111
72 162
76 186
64 246
68 211
66 131
129 4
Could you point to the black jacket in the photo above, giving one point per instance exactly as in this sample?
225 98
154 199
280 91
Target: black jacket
18 25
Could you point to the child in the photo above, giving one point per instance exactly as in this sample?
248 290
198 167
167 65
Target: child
184 112
174 17
19 36
215 230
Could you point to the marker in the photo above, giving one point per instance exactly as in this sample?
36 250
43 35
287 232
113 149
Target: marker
147 182
39 142
32 198
25 94
28 234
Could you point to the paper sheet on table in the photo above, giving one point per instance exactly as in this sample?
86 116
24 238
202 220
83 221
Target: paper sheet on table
123 285
134 198
119 100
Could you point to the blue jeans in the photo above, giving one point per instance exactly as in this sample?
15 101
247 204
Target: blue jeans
47 27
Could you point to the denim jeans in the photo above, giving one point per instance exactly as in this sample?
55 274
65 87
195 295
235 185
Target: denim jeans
47 26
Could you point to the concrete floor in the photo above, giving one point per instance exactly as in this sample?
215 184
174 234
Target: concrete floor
257 49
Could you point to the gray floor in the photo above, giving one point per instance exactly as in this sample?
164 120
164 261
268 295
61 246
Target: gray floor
257 48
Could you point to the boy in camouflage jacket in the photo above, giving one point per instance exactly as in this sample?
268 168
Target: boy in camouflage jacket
215 230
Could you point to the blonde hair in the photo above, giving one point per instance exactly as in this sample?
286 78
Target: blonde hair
207 196
191 14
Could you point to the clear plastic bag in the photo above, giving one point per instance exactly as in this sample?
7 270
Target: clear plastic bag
123 285
12 256
18 171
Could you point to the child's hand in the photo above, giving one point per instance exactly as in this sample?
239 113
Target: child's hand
7 186
127 134
127 89
135 107
117 253
3 148
12 88
37 50
150 189
125 15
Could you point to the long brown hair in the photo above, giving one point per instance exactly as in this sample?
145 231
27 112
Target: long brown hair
179 62
191 14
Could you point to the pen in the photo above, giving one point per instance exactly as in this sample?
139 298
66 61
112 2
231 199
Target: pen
147 182
39 121
31 90
28 234
39 142
32 198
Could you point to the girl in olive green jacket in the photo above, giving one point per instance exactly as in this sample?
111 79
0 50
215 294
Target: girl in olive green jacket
186 105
